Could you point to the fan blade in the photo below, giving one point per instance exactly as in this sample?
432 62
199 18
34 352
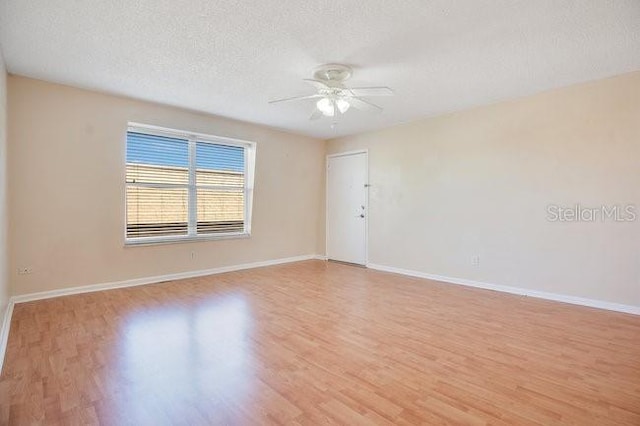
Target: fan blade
372 91
315 115
295 98
363 105
319 85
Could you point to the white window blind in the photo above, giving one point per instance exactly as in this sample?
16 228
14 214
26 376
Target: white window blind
184 186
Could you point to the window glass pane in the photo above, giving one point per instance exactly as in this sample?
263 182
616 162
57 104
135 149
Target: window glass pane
153 212
220 211
157 150
157 159
219 158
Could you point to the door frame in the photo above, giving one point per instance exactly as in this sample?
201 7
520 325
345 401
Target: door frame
366 195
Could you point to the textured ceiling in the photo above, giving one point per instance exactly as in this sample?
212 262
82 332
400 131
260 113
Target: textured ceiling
230 57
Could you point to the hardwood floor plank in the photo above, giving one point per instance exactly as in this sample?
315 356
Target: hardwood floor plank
317 343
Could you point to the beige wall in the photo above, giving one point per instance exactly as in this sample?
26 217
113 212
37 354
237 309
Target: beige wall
478 182
4 274
67 145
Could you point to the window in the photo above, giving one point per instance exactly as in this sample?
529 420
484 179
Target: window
184 186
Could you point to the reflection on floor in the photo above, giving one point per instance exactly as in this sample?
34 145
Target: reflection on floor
315 343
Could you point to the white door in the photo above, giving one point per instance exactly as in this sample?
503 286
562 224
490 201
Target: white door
347 207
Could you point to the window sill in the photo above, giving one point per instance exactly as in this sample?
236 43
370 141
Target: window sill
148 241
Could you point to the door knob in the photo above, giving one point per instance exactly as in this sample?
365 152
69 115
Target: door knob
361 215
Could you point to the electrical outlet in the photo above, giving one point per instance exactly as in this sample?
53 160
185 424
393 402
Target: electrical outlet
475 260
26 270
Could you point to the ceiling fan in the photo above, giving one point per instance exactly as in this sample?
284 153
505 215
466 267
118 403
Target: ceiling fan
334 98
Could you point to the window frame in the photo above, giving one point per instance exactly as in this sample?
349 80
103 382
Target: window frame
192 215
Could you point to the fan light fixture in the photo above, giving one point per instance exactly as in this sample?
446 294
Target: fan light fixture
328 107
343 105
325 106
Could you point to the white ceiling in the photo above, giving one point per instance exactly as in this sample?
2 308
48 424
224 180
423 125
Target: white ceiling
229 57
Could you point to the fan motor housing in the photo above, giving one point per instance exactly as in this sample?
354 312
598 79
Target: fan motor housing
333 72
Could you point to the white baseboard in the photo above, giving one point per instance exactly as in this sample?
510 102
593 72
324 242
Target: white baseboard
320 257
610 306
4 331
156 279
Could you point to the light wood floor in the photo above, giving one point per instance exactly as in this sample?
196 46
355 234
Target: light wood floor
318 343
